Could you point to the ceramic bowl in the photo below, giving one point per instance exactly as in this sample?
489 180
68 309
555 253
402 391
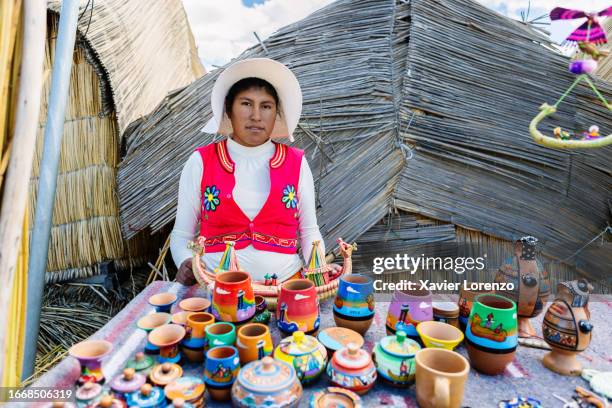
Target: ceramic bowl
439 335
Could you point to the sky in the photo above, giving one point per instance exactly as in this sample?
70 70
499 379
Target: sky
223 29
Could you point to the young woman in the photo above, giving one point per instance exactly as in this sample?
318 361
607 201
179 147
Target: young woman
247 188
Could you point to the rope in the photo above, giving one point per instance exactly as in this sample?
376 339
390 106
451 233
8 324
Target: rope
607 229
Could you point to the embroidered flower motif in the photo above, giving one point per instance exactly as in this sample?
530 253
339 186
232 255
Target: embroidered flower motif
289 197
211 198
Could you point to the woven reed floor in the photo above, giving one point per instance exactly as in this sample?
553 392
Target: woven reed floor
525 376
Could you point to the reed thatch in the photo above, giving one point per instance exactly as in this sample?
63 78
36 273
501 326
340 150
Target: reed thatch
604 68
125 61
421 106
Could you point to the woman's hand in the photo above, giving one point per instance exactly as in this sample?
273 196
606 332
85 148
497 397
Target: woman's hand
337 268
184 274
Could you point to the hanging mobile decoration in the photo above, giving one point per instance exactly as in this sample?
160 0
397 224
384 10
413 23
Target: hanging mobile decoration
588 36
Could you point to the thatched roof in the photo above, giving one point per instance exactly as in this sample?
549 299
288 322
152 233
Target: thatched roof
422 106
146 49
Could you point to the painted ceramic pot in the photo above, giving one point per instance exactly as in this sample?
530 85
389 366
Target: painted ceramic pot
164 374
88 394
439 335
195 341
304 353
446 312
141 363
298 307
254 342
333 397
189 389
352 368
180 318
148 396
267 382
354 303
126 383
466 300
90 353
567 327
220 334
491 334
162 302
108 401
394 359
233 299
180 403
530 281
335 338
220 371
167 338
407 309
150 322
195 304
262 314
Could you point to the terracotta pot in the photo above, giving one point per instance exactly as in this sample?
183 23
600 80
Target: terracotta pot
354 303
220 371
195 335
167 338
127 382
440 378
194 304
108 401
148 396
164 374
162 302
335 338
439 335
305 354
531 283
90 353
352 368
180 318
491 334
394 359
407 309
150 322
567 327
189 389
254 342
233 299
266 382
332 397
298 307
466 300
446 312
220 334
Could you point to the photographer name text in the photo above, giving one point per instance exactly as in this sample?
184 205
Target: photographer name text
445 285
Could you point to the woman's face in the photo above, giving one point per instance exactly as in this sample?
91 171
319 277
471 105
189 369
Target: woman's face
253 116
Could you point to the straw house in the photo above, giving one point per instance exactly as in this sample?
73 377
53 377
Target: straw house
128 57
415 124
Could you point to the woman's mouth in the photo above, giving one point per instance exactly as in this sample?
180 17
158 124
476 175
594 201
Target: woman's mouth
255 128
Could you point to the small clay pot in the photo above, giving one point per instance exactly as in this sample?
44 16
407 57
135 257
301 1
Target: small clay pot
180 318
254 342
126 383
150 322
439 335
148 396
220 371
354 304
335 397
220 334
162 302
194 304
233 299
164 374
194 343
189 389
88 393
335 338
352 368
167 338
90 353
141 363
298 307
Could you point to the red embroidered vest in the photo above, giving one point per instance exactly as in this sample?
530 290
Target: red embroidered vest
275 227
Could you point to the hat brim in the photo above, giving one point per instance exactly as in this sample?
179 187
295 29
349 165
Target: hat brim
278 75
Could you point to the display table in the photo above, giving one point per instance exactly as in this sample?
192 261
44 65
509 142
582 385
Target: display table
525 376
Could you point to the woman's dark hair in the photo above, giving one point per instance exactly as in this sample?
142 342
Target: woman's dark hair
248 83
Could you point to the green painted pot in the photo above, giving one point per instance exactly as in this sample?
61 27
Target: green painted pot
394 359
221 334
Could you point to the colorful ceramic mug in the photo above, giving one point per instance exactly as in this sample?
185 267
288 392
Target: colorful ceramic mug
254 342
150 322
354 304
220 370
440 378
298 307
90 353
195 335
407 309
220 334
167 338
491 333
233 299
162 302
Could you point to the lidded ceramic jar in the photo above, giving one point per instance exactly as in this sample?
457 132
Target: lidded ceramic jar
267 382
148 396
141 363
88 393
352 368
190 389
127 382
394 359
304 353
108 401
164 374
179 403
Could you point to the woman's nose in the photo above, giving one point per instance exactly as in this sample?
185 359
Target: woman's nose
255 113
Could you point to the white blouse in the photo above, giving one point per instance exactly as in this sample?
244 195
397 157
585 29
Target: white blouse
252 173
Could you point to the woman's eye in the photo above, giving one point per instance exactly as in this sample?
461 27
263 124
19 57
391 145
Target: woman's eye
245 103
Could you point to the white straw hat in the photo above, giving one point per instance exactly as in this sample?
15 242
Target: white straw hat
278 75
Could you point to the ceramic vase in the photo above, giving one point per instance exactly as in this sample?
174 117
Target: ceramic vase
567 327
162 302
298 307
491 334
267 382
195 335
220 371
394 359
466 300
304 353
233 299
90 353
150 322
407 309
354 304
167 338
530 281
254 342
220 334
352 368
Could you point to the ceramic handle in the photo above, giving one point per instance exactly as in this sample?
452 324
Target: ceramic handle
441 392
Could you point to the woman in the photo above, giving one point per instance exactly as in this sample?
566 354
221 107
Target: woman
247 188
